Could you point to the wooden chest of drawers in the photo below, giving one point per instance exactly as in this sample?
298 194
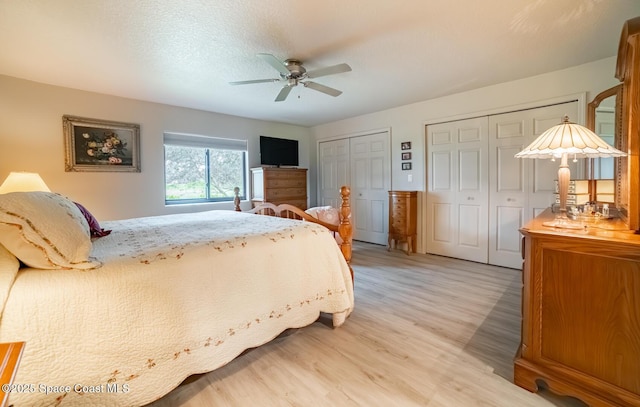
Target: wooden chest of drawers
279 185
403 213
581 312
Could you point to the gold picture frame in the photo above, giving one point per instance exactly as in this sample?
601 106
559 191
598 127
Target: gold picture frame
100 145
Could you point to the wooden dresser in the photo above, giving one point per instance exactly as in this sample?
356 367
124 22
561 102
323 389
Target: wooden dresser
581 312
581 288
403 215
279 185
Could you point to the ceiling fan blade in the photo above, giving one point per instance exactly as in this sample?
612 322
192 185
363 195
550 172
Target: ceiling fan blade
253 81
274 62
324 89
283 93
330 70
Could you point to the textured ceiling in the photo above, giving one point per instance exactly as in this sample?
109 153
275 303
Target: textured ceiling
184 53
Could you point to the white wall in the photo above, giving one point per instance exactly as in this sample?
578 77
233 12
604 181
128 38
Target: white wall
407 123
31 139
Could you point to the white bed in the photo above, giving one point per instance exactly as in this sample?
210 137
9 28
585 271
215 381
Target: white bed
160 299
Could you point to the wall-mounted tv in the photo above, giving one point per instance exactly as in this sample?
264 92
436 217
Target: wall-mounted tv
278 151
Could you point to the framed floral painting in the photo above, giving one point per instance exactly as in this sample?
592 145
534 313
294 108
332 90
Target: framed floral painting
100 145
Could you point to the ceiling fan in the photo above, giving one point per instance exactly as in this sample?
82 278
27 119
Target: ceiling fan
293 73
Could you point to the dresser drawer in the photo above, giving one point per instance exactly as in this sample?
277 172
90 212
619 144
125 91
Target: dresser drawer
281 182
399 203
284 174
279 193
398 210
398 226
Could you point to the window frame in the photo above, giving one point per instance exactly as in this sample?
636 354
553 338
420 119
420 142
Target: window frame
206 143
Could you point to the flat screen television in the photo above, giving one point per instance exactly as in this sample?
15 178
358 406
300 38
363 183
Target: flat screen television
278 151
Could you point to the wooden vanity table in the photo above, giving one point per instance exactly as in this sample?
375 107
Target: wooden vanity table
581 312
581 287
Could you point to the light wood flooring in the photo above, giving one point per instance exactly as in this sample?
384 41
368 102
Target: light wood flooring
426 331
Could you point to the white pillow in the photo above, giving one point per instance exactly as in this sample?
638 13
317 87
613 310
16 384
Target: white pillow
329 215
45 230
314 211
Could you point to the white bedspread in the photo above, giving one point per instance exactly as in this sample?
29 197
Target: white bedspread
176 295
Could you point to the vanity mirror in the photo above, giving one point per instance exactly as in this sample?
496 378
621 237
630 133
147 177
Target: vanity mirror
604 117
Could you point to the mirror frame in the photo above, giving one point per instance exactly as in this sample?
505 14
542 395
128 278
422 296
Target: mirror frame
628 72
617 91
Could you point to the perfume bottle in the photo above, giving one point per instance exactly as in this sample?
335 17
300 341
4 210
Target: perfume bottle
574 211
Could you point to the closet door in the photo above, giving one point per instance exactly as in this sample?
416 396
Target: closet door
457 199
520 188
334 171
363 163
370 183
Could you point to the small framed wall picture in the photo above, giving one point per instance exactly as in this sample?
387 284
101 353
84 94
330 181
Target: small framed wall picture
406 156
406 166
405 145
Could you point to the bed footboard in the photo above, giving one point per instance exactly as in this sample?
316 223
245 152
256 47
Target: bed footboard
344 229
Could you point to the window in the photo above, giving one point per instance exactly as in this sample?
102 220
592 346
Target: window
203 169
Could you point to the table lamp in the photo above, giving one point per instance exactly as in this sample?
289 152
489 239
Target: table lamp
23 182
561 141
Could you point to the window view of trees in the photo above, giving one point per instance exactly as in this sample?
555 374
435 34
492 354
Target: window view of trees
226 172
186 170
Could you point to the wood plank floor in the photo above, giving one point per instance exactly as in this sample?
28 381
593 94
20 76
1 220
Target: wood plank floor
426 331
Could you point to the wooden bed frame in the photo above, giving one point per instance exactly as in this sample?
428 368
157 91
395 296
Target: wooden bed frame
344 229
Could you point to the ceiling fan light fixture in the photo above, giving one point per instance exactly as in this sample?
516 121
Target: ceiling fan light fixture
292 73
295 68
